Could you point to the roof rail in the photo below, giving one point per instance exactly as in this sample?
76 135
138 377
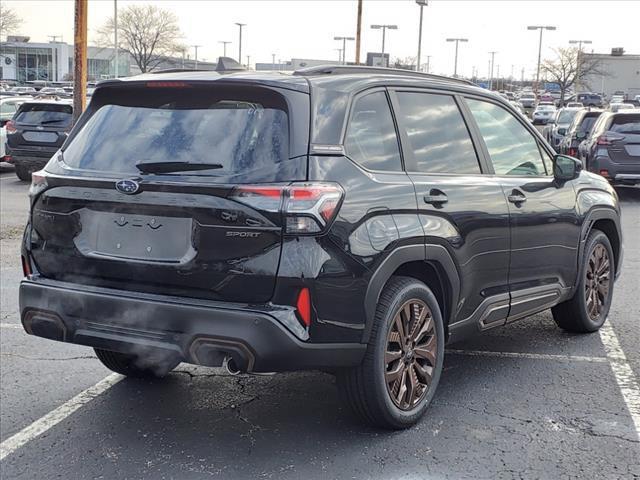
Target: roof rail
346 69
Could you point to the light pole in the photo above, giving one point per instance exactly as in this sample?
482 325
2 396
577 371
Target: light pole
240 25
455 62
344 47
579 43
273 62
428 63
493 54
196 55
541 28
339 50
422 3
384 30
224 46
115 37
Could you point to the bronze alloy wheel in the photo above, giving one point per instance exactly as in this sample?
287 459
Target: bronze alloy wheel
410 356
596 286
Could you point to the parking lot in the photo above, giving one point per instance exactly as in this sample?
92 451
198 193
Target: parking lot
524 401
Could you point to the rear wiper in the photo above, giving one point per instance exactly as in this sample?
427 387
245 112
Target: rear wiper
167 167
53 121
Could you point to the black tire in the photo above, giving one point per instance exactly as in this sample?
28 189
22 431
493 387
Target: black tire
138 366
574 315
23 173
364 388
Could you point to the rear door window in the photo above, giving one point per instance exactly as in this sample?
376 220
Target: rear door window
438 137
44 115
235 136
371 138
512 148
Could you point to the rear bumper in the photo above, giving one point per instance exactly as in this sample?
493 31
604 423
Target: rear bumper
35 158
198 332
622 173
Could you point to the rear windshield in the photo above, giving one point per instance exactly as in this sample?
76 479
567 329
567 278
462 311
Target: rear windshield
238 135
626 124
566 116
587 124
46 114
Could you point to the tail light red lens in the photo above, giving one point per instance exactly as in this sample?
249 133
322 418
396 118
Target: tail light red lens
303 306
573 152
608 138
308 207
604 173
11 127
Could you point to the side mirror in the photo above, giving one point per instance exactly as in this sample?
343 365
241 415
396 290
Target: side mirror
566 168
581 135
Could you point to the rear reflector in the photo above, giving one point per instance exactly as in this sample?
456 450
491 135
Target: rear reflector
26 266
303 305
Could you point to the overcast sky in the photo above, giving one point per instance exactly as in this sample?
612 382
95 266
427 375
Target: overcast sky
305 28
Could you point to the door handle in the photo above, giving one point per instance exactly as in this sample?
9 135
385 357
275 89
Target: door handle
435 198
516 197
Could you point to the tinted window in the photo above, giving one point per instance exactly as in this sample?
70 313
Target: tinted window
587 124
371 136
437 133
513 150
44 114
565 116
626 124
240 135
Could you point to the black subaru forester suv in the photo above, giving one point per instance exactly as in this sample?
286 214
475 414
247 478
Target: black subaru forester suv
346 219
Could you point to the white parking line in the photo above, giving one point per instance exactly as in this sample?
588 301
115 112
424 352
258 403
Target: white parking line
533 356
54 417
10 325
627 382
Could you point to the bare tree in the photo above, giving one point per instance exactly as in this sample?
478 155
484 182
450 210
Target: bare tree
10 21
563 69
147 33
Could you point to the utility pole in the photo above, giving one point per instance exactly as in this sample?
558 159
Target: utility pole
428 63
541 28
115 38
273 62
339 50
224 48
422 3
493 55
344 47
578 60
240 25
196 55
79 58
498 79
384 30
455 62
358 31
248 61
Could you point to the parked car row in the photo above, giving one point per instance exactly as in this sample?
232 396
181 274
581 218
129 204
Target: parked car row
606 142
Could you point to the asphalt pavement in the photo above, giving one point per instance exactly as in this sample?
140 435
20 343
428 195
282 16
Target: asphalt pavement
524 401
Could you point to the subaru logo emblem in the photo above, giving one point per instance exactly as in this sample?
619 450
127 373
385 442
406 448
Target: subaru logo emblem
127 186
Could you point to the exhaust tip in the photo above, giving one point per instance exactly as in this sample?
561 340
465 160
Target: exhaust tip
230 364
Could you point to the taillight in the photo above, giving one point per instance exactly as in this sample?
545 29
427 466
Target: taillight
11 127
608 138
308 207
38 183
604 173
573 152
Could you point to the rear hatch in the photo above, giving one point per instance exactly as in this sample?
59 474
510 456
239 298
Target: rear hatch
165 188
40 127
623 139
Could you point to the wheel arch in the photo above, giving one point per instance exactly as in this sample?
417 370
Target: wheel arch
436 269
606 220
